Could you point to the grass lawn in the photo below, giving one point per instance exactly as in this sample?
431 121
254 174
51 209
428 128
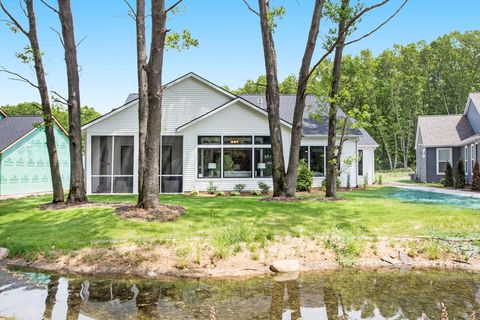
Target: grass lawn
26 230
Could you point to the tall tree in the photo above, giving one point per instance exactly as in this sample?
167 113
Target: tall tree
161 39
34 53
77 192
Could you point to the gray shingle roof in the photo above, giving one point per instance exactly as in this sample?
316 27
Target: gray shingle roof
444 130
13 128
310 126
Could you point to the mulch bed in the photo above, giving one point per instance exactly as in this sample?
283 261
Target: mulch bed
292 199
165 212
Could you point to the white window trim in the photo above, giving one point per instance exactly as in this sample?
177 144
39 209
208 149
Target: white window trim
466 160
449 159
472 157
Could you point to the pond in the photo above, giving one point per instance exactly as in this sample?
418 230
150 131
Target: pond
419 196
350 294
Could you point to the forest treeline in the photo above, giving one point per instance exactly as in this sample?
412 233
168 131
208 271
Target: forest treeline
388 92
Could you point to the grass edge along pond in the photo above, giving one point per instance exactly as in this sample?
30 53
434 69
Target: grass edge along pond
226 222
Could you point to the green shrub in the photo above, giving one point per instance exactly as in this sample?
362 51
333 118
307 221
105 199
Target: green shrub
346 246
255 193
304 177
448 182
475 177
459 182
194 192
239 187
380 181
234 193
220 194
264 188
212 188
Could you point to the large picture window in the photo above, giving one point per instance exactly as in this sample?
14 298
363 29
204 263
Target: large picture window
112 164
263 162
209 163
237 163
315 157
444 156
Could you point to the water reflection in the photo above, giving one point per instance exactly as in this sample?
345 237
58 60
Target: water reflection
335 295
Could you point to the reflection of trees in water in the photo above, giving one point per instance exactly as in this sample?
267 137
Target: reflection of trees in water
391 294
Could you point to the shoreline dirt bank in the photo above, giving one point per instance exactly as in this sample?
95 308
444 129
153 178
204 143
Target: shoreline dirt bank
163 261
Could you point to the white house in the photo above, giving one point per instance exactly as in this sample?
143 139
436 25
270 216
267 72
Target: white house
210 134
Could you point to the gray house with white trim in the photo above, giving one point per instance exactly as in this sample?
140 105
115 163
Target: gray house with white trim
448 138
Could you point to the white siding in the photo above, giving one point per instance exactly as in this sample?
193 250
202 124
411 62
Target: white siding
182 102
368 165
237 119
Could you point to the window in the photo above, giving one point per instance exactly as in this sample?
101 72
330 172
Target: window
317 161
237 140
263 162
304 154
209 163
112 164
360 162
444 156
466 160
315 158
209 140
237 163
472 157
262 140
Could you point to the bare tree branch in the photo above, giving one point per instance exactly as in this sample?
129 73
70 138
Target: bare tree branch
19 77
173 6
379 26
59 36
347 27
12 18
250 8
23 9
131 9
50 7
61 100
80 42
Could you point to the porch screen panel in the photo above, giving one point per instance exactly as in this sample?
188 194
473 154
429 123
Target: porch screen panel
123 164
101 164
171 164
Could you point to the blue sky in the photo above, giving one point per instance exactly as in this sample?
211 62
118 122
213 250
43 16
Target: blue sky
230 49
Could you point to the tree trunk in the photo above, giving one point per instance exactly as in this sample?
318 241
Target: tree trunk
77 192
142 89
273 102
297 125
57 186
332 171
148 197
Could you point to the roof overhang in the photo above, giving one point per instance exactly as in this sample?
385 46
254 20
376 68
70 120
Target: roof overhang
3 113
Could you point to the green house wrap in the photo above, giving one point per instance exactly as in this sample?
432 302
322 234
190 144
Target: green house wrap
24 161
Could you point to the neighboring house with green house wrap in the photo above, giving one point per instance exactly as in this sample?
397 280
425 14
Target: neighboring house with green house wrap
24 162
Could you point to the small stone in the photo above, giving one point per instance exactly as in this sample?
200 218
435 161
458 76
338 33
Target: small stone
285 266
3 253
404 258
151 273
